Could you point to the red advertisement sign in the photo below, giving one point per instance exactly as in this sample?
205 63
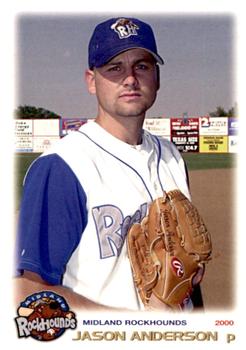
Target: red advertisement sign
185 134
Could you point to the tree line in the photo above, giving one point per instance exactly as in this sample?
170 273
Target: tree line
221 112
31 112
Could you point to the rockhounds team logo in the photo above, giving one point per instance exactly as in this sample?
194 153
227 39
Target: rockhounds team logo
44 316
124 28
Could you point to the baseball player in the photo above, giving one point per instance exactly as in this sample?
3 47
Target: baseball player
81 197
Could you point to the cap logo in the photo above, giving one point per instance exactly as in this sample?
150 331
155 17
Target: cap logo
124 28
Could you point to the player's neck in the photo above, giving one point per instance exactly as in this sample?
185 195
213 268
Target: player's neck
128 130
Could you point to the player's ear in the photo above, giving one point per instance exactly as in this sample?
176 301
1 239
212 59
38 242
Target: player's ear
90 80
158 76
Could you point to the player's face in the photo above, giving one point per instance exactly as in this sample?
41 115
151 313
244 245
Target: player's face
125 86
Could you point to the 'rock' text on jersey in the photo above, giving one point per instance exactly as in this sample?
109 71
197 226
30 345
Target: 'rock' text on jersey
112 227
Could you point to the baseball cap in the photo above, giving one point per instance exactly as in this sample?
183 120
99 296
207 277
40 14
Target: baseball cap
117 35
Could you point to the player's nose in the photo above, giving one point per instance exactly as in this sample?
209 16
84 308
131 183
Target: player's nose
130 78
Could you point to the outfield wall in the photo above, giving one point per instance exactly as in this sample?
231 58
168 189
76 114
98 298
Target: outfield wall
201 134
36 135
198 134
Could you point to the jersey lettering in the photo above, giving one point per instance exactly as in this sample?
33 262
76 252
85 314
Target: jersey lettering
112 227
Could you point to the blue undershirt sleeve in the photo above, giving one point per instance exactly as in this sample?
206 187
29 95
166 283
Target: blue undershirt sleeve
52 218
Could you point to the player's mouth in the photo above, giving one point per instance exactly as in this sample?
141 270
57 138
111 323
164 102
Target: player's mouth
130 96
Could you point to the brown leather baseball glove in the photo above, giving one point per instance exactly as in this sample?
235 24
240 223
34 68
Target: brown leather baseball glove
168 250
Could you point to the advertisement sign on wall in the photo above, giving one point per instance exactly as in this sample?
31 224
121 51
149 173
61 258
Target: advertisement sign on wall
157 126
213 144
233 144
213 126
35 135
43 143
23 128
23 144
185 134
23 135
69 125
233 126
46 127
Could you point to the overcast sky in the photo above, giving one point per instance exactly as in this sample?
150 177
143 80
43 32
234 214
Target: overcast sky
198 74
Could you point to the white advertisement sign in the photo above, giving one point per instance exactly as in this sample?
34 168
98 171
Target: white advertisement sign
157 126
42 143
233 144
36 135
213 126
23 128
46 127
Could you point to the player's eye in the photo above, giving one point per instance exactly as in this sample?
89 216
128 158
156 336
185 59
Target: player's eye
145 66
114 69
142 66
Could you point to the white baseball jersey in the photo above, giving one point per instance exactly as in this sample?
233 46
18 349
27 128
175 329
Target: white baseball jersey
79 200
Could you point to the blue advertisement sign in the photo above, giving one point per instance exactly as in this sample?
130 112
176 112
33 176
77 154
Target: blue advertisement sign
232 126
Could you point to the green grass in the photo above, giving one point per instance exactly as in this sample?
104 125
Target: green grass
210 161
22 162
194 161
198 161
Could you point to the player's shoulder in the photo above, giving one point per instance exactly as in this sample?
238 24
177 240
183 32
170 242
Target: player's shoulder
72 145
